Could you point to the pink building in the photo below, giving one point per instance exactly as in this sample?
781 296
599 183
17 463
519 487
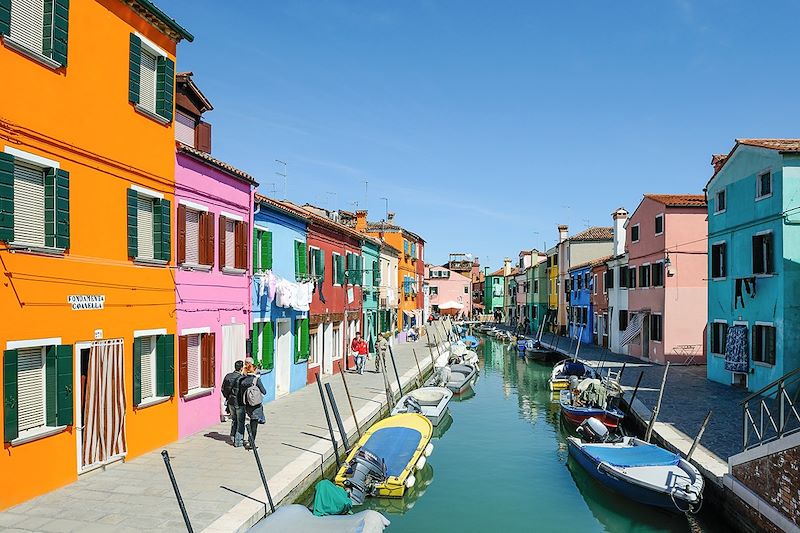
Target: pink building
666 278
448 287
214 217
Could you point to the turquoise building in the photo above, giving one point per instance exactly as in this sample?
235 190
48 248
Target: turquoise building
371 254
494 292
753 254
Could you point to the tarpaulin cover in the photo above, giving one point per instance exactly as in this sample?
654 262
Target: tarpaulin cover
298 519
395 446
628 456
330 499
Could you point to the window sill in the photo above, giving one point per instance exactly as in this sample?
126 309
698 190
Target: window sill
36 434
197 393
764 275
149 114
720 355
153 401
763 364
723 278
759 198
143 261
720 211
36 250
195 266
32 54
233 271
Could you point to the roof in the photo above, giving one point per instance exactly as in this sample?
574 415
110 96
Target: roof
592 263
205 157
281 206
323 221
498 272
186 77
390 226
679 200
153 14
781 145
595 233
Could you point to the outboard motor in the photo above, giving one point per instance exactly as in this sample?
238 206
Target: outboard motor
592 430
412 405
366 470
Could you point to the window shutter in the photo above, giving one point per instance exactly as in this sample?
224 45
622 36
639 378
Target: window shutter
256 240
268 348
768 251
5 17
6 191
202 137
64 381
266 250
165 365
222 223
320 264
209 241
304 349
209 364
165 86
183 365
134 76
297 334
254 343
162 245
181 249
56 29
137 371
10 396
296 260
341 269
51 407
243 233
133 223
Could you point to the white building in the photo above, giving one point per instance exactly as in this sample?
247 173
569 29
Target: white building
615 287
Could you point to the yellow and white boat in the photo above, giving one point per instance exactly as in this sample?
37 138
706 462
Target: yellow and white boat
385 458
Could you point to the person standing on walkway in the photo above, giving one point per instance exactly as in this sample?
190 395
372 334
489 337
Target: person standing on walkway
230 391
251 396
383 350
359 346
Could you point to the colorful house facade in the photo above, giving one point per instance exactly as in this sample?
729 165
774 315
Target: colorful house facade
616 287
538 294
388 299
494 292
371 252
581 322
599 302
448 287
753 258
85 226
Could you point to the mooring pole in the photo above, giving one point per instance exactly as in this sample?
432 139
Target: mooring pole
430 349
419 369
328 420
254 446
394 365
699 436
635 390
349 399
658 405
165 456
336 415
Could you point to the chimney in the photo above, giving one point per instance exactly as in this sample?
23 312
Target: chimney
562 232
506 266
619 216
717 160
361 220
390 217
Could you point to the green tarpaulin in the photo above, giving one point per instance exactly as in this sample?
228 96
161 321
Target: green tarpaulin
330 499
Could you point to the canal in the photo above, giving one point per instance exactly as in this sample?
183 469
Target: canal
502 466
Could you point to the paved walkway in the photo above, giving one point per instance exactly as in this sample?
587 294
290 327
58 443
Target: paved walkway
293 445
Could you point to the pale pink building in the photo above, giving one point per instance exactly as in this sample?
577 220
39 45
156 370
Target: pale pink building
446 286
214 220
666 278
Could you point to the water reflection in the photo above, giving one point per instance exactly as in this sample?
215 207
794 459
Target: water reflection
409 499
444 425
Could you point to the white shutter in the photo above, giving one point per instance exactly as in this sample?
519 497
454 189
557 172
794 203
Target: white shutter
31 387
184 128
28 205
194 361
144 218
27 23
192 236
147 72
148 367
230 244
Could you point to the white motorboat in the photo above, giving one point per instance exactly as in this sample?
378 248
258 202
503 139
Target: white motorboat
457 378
432 402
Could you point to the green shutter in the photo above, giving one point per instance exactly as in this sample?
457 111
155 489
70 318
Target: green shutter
51 407
56 206
133 224
10 396
134 66
56 29
304 348
303 254
6 193
165 86
297 334
165 365
64 381
161 223
268 346
137 371
5 17
296 260
254 343
340 269
320 264
256 239
266 250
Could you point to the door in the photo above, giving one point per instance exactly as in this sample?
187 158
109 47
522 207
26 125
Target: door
283 356
234 348
646 336
332 348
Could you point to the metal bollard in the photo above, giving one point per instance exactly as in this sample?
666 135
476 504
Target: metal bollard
165 456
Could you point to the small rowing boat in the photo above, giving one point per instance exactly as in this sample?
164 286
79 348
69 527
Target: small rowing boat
559 377
431 402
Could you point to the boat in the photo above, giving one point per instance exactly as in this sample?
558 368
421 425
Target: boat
459 353
641 471
458 378
298 519
590 399
383 461
470 341
430 402
559 377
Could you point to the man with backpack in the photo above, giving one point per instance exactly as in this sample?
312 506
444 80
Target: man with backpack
251 396
230 391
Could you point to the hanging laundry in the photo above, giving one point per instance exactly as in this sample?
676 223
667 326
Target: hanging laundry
321 296
737 350
750 286
284 293
301 296
270 284
738 294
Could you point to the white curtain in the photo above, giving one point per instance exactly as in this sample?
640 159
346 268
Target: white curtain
234 340
104 407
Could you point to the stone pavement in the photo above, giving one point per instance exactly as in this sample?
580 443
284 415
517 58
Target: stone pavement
293 446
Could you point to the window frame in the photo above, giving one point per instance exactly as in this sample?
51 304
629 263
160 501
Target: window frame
657 266
21 47
644 268
759 195
201 211
660 328
637 229
723 261
757 333
714 323
155 50
655 224
335 281
765 258
724 193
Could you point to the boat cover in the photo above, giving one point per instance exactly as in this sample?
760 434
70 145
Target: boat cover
298 519
330 499
395 445
630 456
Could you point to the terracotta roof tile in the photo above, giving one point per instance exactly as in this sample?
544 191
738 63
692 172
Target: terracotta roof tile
282 206
592 263
784 145
221 165
595 233
679 200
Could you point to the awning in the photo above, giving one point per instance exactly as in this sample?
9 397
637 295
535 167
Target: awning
633 330
408 313
451 305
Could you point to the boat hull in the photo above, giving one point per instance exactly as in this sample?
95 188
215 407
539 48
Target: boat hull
576 415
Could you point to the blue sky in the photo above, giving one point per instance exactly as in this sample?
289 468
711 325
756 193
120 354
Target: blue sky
486 124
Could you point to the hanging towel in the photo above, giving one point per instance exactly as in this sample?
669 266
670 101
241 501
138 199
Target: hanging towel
284 292
750 287
270 285
321 296
737 350
738 294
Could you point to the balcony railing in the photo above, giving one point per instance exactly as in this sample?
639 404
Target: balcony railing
772 412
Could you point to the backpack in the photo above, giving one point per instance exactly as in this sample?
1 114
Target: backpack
230 387
252 395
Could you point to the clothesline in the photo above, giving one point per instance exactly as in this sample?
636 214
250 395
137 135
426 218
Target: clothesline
283 292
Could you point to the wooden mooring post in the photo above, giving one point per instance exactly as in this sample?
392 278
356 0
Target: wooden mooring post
657 406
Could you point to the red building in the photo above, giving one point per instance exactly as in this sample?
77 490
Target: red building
599 300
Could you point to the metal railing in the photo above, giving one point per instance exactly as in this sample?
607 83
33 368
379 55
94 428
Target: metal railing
772 412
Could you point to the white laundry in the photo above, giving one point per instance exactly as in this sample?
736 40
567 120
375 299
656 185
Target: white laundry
300 297
284 293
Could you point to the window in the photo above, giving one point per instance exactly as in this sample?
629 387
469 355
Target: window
720 204
584 316
594 323
657 274
594 284
337 340
38 28
195 236
262 344
536 286
608 279
764 344
184 128
314 349
644 276
233 234
196 367
355 268
151 79
635 233
153 368
719 335
262 249
718 260
338 265
466 290
434 291
37 383
148 226
301 338
623 319
316 263
764 184
631 277
762 254
659 224
656 328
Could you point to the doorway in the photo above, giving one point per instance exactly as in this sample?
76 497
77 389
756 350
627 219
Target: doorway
283 356
646 336
234 340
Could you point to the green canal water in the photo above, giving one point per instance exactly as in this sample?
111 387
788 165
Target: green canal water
502 466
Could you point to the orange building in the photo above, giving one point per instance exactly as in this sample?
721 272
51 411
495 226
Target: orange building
87 163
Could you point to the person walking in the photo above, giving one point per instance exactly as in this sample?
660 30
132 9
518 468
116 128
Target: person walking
230 391
251 397
359 346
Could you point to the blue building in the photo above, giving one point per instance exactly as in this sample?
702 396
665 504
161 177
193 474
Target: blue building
279 335
753 255
580 303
